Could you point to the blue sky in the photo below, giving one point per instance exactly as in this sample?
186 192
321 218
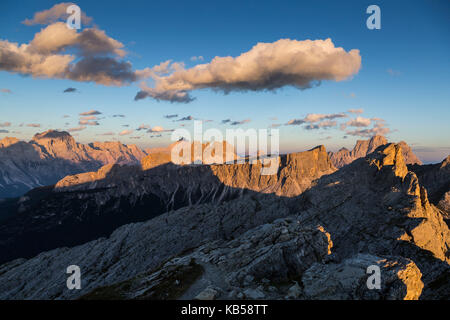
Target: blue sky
404 76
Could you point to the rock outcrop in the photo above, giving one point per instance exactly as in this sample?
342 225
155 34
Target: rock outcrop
436 179
52 155
364 147
400 279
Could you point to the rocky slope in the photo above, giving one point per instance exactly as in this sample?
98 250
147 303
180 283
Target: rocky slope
315 245
99 202
364 147
52 155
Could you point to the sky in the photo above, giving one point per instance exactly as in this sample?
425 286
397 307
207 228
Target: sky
232 64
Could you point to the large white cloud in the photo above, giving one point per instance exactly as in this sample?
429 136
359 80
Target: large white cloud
94 56
267 66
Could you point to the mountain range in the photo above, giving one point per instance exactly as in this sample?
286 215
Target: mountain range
157 230
52 155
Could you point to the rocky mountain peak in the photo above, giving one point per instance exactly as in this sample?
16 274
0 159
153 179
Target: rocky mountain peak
7 141
446 162
53 135
390 155
365 147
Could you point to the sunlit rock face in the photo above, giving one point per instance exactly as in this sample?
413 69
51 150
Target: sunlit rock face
364 147
52 155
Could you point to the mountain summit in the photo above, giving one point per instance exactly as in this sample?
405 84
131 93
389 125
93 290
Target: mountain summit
364 147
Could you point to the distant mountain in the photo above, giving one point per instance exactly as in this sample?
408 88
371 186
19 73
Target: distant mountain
364 147
204 151
52 155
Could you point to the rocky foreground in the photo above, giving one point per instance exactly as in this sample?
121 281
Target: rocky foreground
310 232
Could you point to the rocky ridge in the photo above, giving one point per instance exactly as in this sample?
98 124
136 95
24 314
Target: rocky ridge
364 147
99 202
316 245
52 155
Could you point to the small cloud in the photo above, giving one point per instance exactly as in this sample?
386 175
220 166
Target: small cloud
143 127
4 131
5 124
378 129
352 95
66 116
355 111
56 13
273 118
125 132
118 116
4 90
170 116
393 73
34 125
226 121
316 117
188 118
158 129
88 123
88 118
275 125
359 122
295 122
321 125
70 90
235 123
76 129
90 113
135 137
110 133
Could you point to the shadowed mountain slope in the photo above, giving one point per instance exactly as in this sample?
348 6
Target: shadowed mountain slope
90 205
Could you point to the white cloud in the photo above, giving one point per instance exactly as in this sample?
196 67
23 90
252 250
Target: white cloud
90 113
125 132
356 111
267 66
